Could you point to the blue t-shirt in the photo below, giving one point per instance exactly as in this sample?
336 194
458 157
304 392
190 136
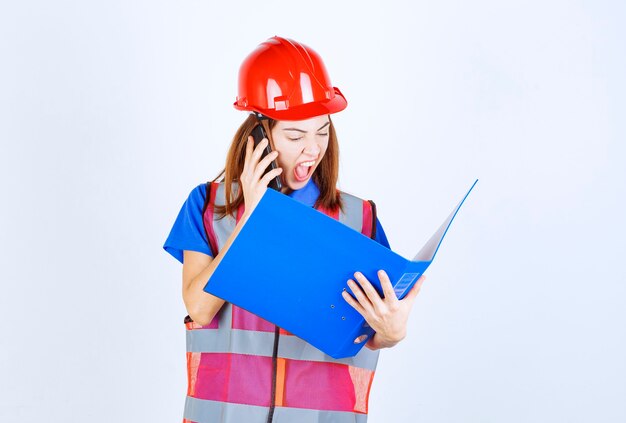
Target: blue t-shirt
188 230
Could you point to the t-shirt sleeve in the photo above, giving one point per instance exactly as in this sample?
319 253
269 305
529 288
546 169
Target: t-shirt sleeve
381 237
188 230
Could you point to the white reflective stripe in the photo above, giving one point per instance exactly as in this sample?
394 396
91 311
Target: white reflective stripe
230 341
295 348
222 228
352 214
207 411
251 342
226 316
305 415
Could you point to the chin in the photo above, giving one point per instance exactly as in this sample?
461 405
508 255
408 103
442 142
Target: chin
294 185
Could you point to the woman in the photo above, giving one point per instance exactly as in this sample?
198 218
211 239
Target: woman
242 368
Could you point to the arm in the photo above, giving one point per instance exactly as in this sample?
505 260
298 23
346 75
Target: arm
197 270
198 267
388 316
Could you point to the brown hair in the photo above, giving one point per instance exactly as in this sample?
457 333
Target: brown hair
325 176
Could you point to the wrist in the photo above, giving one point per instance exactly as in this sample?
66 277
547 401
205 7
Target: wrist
376 343
379 341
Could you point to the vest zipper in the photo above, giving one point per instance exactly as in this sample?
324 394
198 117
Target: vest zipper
270 415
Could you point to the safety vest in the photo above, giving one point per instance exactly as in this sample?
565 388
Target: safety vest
244 369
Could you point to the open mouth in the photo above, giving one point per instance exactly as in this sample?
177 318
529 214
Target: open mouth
303 171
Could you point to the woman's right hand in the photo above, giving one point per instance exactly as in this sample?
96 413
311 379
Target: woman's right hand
252 180
198 267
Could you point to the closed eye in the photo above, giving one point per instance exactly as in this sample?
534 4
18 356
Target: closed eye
299 138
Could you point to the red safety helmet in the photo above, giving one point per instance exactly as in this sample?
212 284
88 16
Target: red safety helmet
286 80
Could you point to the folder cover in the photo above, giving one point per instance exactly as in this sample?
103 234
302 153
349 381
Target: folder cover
290 263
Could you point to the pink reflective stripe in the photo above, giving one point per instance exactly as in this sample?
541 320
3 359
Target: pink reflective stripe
236 378
208 220
319 386
367 219
243 319
246 379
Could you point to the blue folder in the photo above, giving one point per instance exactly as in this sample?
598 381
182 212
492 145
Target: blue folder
290 263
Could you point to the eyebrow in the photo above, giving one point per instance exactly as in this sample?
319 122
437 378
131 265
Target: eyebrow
304 132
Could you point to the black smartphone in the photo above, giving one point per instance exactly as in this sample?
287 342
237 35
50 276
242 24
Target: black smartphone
258 133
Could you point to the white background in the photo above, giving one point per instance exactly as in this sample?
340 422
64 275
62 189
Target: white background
112 111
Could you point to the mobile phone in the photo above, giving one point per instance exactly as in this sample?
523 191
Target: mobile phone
258 133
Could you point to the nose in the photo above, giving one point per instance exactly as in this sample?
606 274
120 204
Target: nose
312 149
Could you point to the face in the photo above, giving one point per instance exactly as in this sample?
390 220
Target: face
301 144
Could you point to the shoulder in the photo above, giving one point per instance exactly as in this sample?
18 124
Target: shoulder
198 193
188 231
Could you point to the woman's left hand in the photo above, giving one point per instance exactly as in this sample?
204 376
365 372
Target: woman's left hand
388 316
